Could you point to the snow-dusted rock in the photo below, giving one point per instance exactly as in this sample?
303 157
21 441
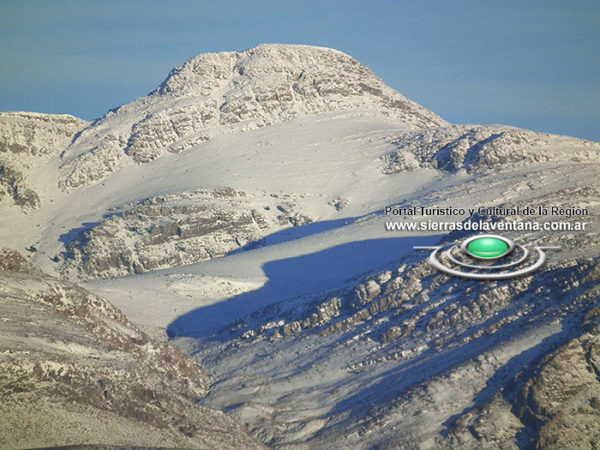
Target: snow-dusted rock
212 94
31 138
553 404
178 229
36 134
476 148
14 186
335 332
74 370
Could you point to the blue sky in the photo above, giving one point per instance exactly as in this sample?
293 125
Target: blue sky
532 64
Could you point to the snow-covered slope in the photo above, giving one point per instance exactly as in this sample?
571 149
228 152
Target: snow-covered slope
242 202
347 337
217 93
27 141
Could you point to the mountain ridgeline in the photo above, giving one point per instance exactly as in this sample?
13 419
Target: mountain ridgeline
217 93
237 212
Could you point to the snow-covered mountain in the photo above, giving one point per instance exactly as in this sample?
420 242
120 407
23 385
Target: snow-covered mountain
238 210
217 93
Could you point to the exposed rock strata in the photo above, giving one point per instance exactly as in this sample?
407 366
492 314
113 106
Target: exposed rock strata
178 229
74 370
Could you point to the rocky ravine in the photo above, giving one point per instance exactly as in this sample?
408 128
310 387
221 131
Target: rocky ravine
74 370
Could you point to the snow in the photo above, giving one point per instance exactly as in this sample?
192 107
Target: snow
320 151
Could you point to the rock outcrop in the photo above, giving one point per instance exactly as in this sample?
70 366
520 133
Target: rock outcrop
554 404
74 370
14 186
482 147
218 93
36 134
26 139
178 229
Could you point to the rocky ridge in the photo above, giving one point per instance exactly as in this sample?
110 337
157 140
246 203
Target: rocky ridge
27 139
479 148
178 229
36 134
74 370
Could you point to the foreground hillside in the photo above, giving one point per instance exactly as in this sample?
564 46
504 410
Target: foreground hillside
238 211
74 370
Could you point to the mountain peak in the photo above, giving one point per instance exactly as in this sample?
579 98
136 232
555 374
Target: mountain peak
260 60
217 93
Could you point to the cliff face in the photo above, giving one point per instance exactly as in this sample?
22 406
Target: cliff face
553 404
74 370
36 134
179 229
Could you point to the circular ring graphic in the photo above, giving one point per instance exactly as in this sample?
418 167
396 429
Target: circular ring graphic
489 250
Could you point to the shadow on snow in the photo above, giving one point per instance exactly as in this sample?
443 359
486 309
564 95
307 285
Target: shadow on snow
305 275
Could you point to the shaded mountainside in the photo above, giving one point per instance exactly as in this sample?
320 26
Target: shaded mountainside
74 370
554 404
399 357
410 357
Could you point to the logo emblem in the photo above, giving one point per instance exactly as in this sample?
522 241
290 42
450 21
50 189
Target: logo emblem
487 257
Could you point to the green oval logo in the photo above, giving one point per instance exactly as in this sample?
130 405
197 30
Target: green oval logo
487 247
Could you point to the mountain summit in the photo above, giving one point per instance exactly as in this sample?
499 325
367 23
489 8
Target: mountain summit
239 209
217 93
